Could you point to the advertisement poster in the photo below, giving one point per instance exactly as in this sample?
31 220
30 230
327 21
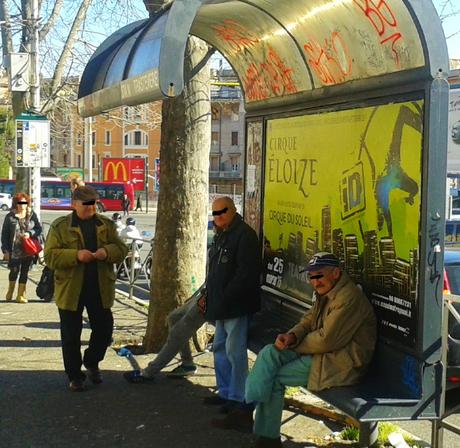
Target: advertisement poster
453 139
68 174
157 175
124 170
253 175
348 182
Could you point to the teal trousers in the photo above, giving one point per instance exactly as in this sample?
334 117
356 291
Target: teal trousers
272 372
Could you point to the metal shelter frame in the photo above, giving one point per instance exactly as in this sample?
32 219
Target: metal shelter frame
308 58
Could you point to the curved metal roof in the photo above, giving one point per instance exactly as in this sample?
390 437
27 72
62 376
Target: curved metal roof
283 51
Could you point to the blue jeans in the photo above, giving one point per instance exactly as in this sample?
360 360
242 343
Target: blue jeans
273 371
231 357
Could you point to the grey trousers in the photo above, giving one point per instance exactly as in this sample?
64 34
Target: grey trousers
183 323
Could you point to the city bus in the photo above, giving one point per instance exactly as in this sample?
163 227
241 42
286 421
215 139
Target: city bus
55 194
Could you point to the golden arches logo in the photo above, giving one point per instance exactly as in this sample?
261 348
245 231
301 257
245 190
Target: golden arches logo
115 168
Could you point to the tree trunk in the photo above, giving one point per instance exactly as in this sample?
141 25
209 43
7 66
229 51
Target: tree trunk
180 239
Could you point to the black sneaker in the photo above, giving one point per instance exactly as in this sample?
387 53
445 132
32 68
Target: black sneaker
135 377
183 371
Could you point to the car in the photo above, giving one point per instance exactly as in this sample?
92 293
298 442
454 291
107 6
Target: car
455 132
452 286
5 201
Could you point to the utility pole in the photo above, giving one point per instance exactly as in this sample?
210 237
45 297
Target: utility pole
88 171
34 177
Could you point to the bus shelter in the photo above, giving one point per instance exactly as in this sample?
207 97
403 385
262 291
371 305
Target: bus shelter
346 137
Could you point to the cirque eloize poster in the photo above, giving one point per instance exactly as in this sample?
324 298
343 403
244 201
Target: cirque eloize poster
253 176
348 182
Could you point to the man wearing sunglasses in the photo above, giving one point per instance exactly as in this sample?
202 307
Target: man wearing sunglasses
332 345
81 249
233 295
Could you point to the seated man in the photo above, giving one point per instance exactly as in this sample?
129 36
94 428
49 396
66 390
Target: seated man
332 345
183 323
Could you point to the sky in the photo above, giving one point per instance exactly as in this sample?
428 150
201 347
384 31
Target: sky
451 24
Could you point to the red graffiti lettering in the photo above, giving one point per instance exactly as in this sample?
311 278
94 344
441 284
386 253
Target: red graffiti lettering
235 35
382 18
331 62
268 78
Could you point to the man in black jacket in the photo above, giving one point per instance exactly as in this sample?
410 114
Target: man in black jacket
233 295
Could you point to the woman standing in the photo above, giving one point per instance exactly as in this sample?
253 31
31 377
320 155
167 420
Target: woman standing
19 224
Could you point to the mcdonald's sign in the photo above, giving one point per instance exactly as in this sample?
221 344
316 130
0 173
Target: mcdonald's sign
124 170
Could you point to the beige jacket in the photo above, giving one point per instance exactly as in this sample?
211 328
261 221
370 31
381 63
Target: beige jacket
340 332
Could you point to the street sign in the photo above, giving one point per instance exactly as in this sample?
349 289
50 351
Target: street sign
124 170
32 141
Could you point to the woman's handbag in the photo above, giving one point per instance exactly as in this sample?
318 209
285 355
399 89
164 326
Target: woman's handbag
31 246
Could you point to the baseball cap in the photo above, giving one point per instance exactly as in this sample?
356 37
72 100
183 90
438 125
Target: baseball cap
321 260
85 194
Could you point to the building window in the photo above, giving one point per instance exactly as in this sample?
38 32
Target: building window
214 164
235 162
93 160
79 161
107 154
108 138
136 138
79 139
234 138
214 137
93 138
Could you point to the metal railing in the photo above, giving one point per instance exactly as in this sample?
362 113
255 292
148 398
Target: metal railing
439 425
136 267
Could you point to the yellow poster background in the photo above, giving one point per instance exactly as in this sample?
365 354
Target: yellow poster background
352 176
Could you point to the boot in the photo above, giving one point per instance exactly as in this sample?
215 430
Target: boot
238 420
21 297
10 292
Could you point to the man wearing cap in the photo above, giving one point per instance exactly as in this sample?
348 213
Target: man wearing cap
81 249
332 345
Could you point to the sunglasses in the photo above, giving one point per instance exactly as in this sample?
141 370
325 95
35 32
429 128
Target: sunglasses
219 212
89 202
315 277
22 202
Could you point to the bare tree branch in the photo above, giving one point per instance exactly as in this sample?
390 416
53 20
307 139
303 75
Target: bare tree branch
52 19
7 38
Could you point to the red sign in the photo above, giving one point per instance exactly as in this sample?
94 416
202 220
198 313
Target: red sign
124 170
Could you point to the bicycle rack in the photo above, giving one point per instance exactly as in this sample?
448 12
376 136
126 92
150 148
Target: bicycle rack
133 268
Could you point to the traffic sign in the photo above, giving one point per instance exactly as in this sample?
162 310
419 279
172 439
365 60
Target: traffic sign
32 141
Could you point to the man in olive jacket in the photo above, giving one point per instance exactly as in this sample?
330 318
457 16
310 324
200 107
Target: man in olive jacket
82 248
332 345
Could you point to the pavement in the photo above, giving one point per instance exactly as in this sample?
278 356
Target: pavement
38 411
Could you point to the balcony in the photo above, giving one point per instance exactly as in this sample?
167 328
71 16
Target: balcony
225 94
224 174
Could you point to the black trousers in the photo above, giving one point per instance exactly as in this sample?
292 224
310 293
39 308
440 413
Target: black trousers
19 267
101 322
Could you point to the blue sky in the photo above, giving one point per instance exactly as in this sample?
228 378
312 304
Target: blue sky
451 24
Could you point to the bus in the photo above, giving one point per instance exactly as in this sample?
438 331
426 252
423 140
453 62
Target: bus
55 194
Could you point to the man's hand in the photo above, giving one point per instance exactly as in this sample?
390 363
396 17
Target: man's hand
85 256
100 254
285 340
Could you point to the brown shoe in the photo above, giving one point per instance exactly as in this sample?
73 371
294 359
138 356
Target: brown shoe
214 400
267 442
77 385
94 375
239 420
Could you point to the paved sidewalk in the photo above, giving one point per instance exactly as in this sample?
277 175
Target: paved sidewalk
38 411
